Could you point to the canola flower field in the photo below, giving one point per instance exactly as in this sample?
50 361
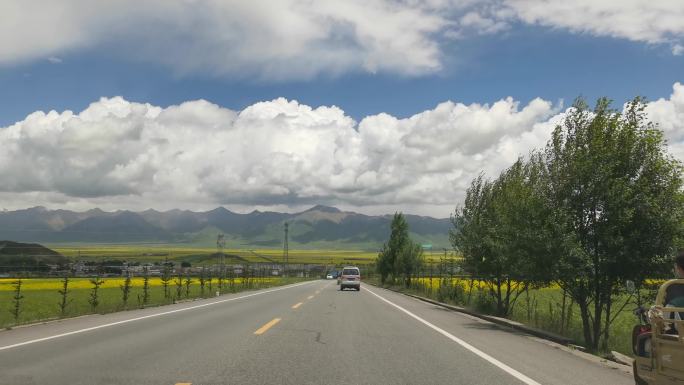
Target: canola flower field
32 284
41 299
467 283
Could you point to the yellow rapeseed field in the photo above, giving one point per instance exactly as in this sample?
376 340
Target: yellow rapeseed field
466 283
477 284
6 284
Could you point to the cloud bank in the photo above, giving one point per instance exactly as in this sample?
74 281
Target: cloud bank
267 39
275 154
653 22
301 39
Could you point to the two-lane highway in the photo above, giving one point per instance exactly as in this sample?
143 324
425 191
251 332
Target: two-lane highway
309 333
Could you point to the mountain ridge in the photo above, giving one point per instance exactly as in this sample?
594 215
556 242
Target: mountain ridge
318 226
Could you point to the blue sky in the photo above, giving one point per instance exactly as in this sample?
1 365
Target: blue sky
484 82
525 63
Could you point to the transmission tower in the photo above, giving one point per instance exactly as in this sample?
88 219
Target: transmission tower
286 251
220 244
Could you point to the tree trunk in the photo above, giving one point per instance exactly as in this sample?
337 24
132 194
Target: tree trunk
598 313
606 328
499 299
507 301
470 289
586 324
562 317
583 303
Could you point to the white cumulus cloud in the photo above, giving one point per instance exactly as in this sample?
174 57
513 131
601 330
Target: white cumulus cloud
301 39
275 154
280 152
654 22
669 115
262 38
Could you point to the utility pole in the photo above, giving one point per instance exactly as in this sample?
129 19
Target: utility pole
286 251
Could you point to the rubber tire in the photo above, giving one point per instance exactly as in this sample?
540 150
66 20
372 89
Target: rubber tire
637 380
358 288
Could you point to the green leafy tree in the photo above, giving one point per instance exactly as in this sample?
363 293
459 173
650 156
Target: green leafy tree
146 286
388 258
409 261
64 295
202 282
399 257
188 281
17 300
472 228
166 279
383 264
501 235
474 235
179 285
616 206
94 299
126 290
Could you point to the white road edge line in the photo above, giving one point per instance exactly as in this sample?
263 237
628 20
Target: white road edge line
466 345
149 316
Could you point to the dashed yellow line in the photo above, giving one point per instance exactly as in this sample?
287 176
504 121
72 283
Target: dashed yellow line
268 325
310 297
297 305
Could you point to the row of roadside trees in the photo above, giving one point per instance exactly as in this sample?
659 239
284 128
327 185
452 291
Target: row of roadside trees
400 258
601 204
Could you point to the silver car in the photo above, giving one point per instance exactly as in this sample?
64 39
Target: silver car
350 278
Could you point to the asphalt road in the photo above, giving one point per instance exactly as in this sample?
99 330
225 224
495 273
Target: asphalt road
308 333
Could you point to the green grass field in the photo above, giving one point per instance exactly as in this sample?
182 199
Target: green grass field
543 311
41 299
541 308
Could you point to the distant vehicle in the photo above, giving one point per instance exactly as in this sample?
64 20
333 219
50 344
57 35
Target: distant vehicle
350 278
657 341
329 276
338 276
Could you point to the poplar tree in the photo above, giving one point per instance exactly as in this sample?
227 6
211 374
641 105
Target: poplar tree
616 199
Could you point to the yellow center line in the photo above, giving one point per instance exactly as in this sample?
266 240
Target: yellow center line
310 297
269 325
297 305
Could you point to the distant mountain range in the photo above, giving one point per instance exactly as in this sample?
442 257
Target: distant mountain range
317 227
